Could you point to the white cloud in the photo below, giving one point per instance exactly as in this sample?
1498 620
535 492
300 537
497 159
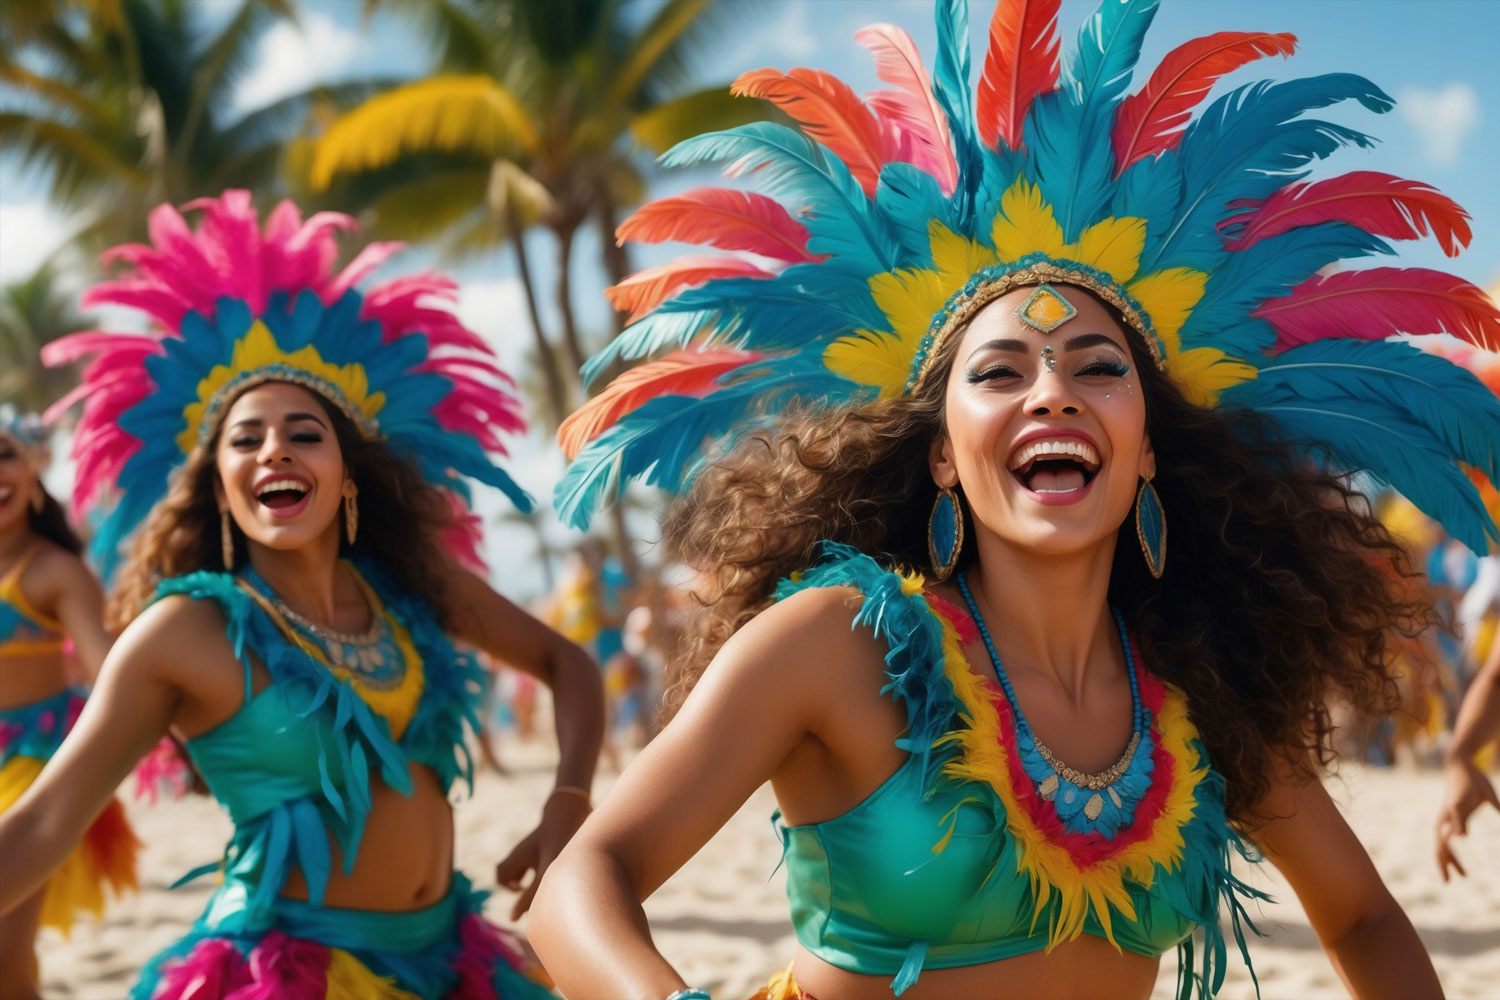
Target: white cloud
783 37
291 58
1443 118
496 310
29 231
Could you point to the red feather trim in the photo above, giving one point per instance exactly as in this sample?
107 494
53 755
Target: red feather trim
1149 122
830 112
1021 63
1375 202
1380 302
681 373
645 290
729 220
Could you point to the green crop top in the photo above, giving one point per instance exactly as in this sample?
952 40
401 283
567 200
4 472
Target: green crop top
959 858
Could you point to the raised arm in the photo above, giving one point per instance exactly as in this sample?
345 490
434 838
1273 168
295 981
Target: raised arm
484 619
769 690
71 588
1468 787
1367 936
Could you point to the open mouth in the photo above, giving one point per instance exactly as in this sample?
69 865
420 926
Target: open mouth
1055 466
6 492
284 495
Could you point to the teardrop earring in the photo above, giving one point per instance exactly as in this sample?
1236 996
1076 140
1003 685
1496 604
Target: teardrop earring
226 541
1151 527
351 518
945 533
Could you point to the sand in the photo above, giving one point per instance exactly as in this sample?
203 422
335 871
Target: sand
723 920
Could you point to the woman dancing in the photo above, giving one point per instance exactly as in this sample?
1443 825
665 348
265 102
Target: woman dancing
47 594
295 449
1018 334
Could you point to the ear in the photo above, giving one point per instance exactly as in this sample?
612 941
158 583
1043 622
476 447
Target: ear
940 462
1148 461
351 488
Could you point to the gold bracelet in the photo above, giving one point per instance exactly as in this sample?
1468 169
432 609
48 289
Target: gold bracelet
581 792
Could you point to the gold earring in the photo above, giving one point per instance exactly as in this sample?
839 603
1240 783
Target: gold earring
351 518
226 541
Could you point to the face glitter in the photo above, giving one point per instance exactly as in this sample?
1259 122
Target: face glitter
1047 357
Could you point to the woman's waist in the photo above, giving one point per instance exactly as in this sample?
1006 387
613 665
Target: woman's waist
27 680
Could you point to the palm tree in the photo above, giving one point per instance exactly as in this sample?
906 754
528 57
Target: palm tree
122 103
535 119
33 312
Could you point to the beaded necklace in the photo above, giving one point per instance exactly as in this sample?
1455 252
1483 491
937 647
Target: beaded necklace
1098 803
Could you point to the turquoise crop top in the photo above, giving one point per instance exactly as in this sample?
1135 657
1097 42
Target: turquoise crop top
957 860
292 766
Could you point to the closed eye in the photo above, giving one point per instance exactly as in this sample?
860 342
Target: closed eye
1114 368
990 374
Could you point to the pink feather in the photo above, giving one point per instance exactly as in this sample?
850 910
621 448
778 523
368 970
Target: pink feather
729 220
645 290
911 108
829 112
681 373
213 970
1020 63
286 968
366 261
483 947
1380 302
1150 121
162 769
1375 202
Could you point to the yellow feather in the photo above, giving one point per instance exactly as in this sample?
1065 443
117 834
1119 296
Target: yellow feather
350 979
871 358
1113 246
1025 224
909 300
1204 372
1168 297
956 257
472 114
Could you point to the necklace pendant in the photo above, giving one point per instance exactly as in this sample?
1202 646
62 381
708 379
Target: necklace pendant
1048 788
1114 797
1094 806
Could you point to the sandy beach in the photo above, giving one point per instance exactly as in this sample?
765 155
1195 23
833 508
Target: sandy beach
722 920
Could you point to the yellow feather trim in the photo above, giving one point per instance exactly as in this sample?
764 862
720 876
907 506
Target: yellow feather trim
1204 372
1113 246
1168 297
870 358
956 257
909 299
1025 224
257 349
350 979
1048 867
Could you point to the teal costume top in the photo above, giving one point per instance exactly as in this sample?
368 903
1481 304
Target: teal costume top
963 857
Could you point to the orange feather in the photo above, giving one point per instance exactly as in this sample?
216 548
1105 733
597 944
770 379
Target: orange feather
645 290
729 220
1020 63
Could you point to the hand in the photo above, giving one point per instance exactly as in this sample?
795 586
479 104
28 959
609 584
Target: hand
562 815
1468 789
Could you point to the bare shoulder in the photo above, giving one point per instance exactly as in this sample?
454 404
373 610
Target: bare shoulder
181 638
55 571
810 638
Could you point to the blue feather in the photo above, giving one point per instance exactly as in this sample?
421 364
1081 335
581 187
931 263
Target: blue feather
1247 145
910 198
1150 189
662 442
1096 72
1270 269
950 85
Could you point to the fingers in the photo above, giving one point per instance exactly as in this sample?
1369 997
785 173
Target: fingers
523 903
516 864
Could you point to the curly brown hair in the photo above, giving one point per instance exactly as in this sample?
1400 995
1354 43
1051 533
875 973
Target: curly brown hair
402 520
1282 589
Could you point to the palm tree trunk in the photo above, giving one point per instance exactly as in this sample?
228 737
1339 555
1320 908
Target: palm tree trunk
616 256
557 392
572 347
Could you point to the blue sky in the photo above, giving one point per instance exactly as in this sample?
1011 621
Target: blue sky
1439 58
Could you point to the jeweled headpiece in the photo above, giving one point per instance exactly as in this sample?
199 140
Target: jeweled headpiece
25 429
234 305
896 217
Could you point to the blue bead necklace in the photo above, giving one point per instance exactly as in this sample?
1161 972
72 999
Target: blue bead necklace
1098 803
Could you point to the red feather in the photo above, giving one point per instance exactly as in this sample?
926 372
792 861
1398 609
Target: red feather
1377 203
681 373
729 220
830 112
645 290
1021 63
1382 301
1150 121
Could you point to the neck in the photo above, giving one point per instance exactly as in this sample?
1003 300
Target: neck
307 578
1048 613
16 538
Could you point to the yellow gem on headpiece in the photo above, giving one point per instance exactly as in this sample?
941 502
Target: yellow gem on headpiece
1045 310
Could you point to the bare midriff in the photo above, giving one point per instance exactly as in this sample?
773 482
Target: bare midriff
25 680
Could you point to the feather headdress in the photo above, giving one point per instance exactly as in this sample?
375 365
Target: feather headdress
884 222
234 304
25 429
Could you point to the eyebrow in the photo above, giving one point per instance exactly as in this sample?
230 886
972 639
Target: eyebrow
289 418
1075 343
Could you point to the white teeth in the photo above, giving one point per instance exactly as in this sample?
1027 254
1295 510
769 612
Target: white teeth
281 484
1062 447
6 492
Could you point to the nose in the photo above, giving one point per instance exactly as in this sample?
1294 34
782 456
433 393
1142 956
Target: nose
275 448
1052 395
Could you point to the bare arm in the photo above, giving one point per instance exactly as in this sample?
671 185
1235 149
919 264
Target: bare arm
79 606
762 696
1468 788
489 622
131 707
1367 936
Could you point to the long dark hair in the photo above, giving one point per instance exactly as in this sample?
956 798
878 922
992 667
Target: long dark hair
401 523
1281 588
51 522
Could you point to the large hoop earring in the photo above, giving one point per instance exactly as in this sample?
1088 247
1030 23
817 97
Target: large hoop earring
1151 527
351 518
226 541
945 533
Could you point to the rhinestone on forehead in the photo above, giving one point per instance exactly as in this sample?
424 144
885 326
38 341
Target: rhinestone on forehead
1045 310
